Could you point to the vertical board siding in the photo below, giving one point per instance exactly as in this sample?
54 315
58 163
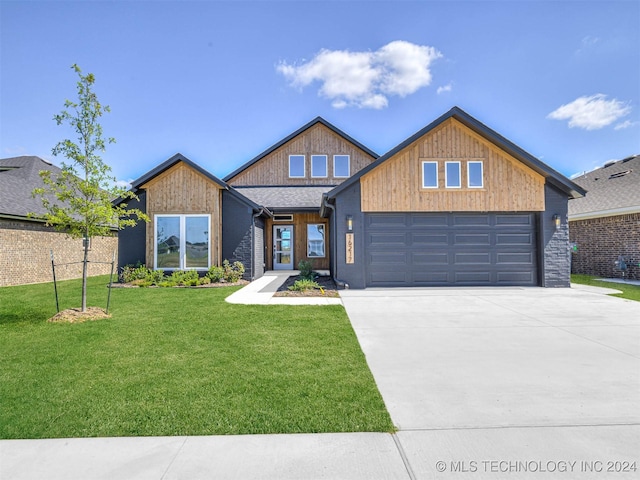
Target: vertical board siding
273 169
396 185
300 222
182 190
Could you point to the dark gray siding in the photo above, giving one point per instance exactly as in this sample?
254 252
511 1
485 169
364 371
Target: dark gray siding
555 252
237 244
348 203
132 240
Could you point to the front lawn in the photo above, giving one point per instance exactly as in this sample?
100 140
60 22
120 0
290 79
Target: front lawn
630 292
179 361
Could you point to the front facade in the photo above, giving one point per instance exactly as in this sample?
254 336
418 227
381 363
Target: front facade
26 243
455 204
605 224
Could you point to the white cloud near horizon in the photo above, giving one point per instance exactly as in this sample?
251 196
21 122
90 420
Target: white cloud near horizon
625 124
591 112
365 79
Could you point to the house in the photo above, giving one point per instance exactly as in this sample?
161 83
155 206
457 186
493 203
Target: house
455 204
605 224
26 243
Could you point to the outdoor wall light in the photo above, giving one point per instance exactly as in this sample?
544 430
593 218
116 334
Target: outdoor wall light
349 223
556 221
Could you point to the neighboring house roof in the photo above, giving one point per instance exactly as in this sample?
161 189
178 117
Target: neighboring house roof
295 134
613 189
19 176
285 198
553 177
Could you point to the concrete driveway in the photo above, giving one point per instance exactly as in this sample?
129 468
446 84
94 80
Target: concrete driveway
480 375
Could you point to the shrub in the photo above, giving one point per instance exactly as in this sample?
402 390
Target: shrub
155 277
130 273
232 273
185 277
304 285
205 281
306 269
215 274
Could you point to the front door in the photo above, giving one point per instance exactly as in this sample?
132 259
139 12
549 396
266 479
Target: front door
283 247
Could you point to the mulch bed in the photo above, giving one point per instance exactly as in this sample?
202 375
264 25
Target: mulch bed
208 285
75 315
328 285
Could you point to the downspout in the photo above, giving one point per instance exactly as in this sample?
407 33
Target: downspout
253 242
334 258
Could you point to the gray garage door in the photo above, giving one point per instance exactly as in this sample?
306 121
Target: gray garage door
431 249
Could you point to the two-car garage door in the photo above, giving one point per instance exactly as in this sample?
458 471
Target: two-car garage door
434 249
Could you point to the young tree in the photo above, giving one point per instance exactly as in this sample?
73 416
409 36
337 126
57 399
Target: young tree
85 189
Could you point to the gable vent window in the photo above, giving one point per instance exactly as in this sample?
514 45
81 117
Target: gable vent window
474 175
452 175
296 166
429 174
319 166
283 218
619 174
341 167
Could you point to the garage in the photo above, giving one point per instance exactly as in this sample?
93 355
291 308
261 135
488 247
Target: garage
440 249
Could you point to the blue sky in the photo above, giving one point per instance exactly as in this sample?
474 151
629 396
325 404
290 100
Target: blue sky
222 81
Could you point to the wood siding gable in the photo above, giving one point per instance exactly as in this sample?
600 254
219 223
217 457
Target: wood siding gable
182 190
396 184
273 168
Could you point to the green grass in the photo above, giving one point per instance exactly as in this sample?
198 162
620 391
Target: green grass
630 292
179 362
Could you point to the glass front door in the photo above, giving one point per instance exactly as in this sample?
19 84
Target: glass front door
283 247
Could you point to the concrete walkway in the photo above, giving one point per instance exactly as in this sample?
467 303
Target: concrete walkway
261 291
482 383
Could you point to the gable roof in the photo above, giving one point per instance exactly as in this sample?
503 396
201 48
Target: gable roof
177 158
19 176
552 176
613 189
305 127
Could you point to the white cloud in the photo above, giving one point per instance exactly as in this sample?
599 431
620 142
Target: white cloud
625 124
591 113
365 79
124 183
445 88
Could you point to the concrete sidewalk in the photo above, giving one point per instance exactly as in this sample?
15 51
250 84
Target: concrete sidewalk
279 457
261 291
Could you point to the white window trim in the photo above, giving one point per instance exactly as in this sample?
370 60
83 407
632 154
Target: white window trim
324 241
183 240
326 166
429 186
481 174
348 166
446 175
304 166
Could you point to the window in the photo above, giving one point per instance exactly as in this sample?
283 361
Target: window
319 166
296 166
315 240
452 175
474 175
182 242
341 166
429 174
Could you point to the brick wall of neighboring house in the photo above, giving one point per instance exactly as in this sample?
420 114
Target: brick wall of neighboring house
601 240
25 257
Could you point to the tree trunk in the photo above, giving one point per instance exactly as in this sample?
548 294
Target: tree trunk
84 273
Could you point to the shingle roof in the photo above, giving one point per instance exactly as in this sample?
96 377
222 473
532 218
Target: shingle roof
286 198
611 189
18 177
